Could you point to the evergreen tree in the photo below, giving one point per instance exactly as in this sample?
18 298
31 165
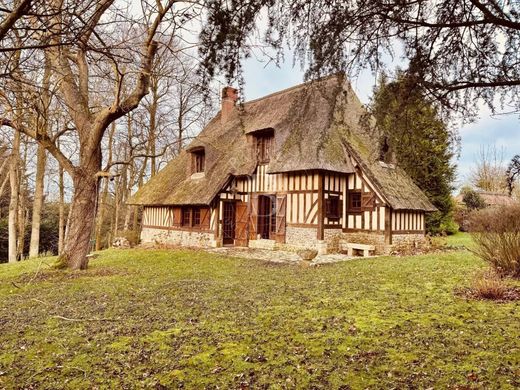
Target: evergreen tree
421 143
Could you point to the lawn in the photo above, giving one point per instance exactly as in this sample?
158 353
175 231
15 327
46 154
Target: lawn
170 319
459 240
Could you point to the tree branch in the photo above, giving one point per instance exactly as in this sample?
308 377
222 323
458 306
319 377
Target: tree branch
19 11
46 142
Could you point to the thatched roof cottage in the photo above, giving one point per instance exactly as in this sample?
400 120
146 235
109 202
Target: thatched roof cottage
303 167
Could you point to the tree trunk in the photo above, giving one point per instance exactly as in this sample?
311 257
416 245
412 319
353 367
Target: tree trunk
61 223
41 161
152 135
23 212
102 206
82 213
13 202
101 215
81 221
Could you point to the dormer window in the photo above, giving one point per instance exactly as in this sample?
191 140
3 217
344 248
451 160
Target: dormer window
199 160
264 145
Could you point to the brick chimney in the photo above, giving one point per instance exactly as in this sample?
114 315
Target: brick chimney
229 98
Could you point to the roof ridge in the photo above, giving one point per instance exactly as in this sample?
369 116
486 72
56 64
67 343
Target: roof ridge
297 86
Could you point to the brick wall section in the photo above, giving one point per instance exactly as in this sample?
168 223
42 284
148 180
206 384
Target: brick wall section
177 238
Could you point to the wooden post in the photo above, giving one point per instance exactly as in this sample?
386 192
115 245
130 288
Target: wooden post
217 218
388 225
320 233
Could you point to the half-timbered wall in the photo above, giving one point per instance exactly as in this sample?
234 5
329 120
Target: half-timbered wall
407 221
302 199
169 217
369 218
301 189
158 216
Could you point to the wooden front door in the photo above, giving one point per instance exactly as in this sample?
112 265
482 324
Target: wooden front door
228 223
242 218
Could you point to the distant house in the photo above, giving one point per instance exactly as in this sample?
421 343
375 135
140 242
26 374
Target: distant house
491 199
300 168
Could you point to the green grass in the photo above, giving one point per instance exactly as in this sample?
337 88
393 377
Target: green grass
169 319
460 240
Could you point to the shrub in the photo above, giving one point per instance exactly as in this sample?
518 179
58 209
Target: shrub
496 233
472 199
438 224
460 216
488 286
449 226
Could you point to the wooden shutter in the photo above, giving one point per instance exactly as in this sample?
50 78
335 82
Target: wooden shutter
281 206
204 218
368 201
177 217
242 217
253 203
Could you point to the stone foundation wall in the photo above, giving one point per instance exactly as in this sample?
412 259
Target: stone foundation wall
333 237
299 238
177 238
410 239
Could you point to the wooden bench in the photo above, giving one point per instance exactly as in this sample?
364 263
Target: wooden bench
349 247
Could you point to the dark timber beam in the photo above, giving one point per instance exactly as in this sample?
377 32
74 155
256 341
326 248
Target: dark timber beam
388 225
320 233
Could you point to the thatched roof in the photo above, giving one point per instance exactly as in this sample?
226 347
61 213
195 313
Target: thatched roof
317 125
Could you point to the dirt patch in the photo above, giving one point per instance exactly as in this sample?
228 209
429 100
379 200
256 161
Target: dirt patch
509 294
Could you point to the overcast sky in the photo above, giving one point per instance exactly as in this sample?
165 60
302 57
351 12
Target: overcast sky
502 131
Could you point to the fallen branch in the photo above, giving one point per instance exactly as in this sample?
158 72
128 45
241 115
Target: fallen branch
85 319
14 284
36 273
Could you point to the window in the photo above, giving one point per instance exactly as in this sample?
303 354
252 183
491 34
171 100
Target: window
354 201
196 216
264 146
199 161
333 207
186 216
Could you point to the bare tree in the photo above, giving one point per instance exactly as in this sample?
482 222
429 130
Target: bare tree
41 162
489 171
11 15
73 66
